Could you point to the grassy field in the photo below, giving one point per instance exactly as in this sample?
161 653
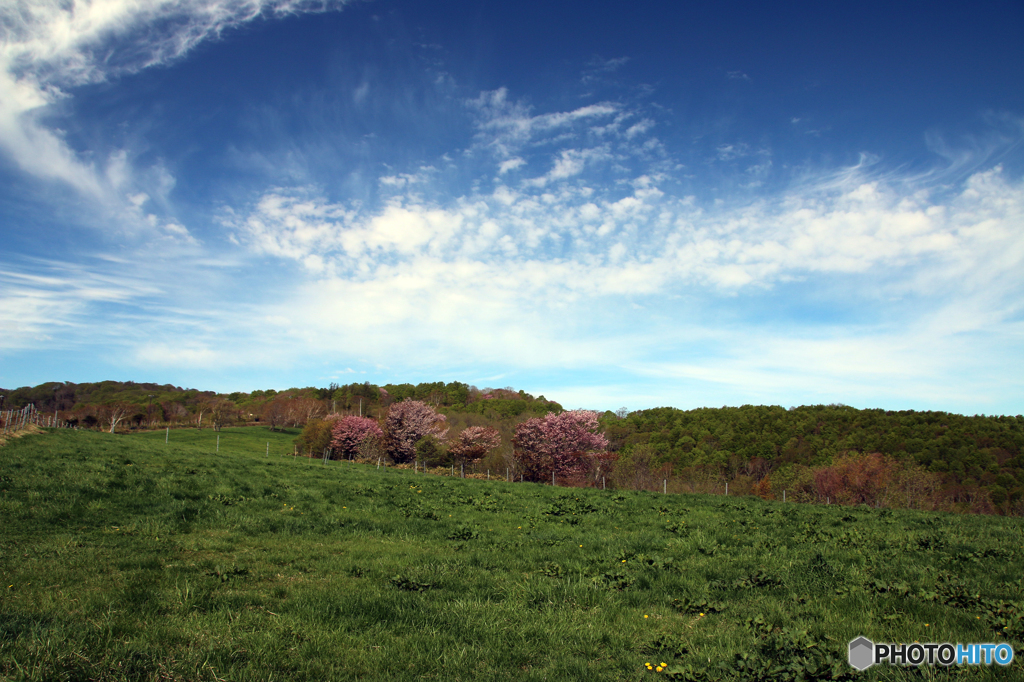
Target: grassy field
125 558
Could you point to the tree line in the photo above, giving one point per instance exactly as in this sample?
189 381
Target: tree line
829 453
114 405
818 453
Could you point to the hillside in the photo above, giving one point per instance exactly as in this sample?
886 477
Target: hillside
125 558
821 453
155 406
932 460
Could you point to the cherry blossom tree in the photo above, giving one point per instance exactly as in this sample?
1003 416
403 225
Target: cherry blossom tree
349 432
473 443
560 443
408 421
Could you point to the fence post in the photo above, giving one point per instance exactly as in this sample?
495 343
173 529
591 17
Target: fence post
664 486
218 442
727 488
167 436
602 483
783 495
268 449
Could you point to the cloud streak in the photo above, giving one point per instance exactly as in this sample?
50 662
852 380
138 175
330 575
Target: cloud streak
50 48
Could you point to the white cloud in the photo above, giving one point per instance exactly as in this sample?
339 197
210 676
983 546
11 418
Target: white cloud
51 47
510 164
360 93
728 152
851 225
639 128
599 68
174 356
506 126
43 303
551 277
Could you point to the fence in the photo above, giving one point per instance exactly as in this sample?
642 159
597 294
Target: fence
17 420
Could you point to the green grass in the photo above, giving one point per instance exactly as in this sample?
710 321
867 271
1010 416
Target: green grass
127 559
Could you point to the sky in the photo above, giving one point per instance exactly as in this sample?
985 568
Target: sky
614 205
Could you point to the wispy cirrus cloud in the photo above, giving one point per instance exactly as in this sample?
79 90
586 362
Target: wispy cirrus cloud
50 48
38 304
505 125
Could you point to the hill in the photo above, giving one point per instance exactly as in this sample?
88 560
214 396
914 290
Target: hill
819 453
125 558
930 460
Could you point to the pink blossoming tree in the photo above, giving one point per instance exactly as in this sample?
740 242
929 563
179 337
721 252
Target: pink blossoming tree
473 443
563 444
349 432
407 422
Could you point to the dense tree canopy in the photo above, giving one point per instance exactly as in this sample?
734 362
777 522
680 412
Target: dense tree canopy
349 432
558 443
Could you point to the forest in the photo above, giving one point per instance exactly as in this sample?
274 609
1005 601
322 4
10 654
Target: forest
827 454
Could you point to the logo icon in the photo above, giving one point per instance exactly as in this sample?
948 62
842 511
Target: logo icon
862 653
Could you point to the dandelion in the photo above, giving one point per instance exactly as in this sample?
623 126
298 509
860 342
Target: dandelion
581 545
926 624
645 615
664 665
623 561
658 669
702 615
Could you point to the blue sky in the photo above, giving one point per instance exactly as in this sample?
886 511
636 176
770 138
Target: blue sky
686 204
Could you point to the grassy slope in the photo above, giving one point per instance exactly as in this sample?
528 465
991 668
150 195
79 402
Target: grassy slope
125 558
